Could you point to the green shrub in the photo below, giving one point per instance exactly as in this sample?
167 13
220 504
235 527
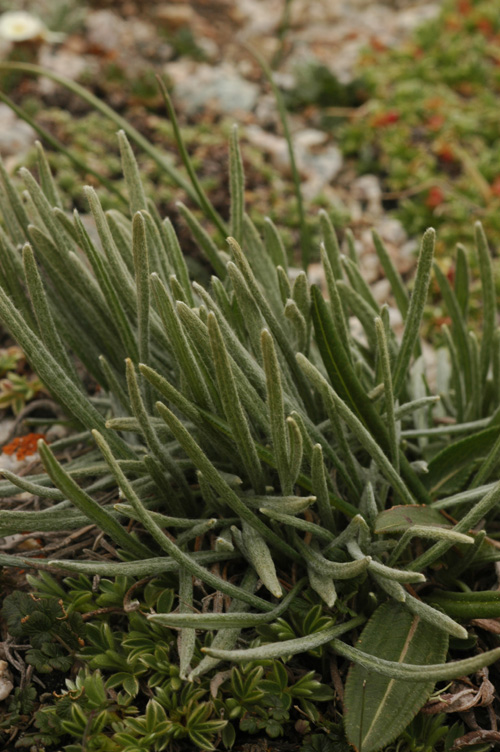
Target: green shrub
263 436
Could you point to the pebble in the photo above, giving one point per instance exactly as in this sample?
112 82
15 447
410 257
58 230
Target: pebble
198 86
6 684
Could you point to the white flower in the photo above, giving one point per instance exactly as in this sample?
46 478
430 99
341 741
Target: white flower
20 26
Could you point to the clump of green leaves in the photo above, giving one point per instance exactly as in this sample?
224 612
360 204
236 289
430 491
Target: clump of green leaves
269 455
429 126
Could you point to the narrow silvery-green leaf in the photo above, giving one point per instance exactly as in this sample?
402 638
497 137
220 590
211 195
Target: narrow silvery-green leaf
236 185
349 468
363 436
468 522
261 263
301 295
115 384
274 244
323 585
488 296
475 404
397 285
320 488
177 258
359 284
157 255
276 408
47 181
296 318
135 189
141 265
139 411
12 268
409 407
462 283
18 219
33 488
201 461
351 247
296 449
495 362
456 374
339 570
86 504
121 230
56 380
415 310
398 575
141 568
459 330
289 647
226 638
109 290
187 637
427 532
179 343
203 239
436 618
283 284
336 306
331 244
259 556
383 353
361 309
183 559
251 315
231 619
44 210
232 406
297 523
122 279
273 323
46 325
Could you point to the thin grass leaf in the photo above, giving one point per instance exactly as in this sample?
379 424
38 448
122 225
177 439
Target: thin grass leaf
296 449
141 265
339 570
475 404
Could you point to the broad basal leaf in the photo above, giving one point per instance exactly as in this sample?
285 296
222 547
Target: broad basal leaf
379 708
